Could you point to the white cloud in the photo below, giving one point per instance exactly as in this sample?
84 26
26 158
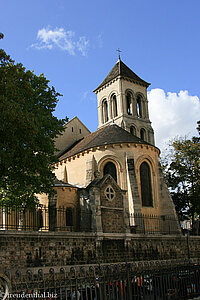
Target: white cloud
173 115
64 40
100 40
82 45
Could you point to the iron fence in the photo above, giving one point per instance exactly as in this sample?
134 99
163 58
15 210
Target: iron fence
51 218
127 281
43 218
153 224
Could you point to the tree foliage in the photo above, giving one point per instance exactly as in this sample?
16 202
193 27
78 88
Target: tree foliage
27 130
182 173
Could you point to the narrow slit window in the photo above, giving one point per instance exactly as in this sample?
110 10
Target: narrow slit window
142 134
132 130
105 111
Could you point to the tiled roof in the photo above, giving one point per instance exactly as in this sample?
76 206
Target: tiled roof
111 134
121 69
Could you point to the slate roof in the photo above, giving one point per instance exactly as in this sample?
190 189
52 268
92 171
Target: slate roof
60 183
68 148
121 69
111 134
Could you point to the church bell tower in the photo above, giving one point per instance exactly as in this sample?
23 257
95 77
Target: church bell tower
122 100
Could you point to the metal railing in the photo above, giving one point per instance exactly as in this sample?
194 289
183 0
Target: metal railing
42 218
126 281
153 224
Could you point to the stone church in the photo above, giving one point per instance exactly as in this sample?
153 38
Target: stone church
107 178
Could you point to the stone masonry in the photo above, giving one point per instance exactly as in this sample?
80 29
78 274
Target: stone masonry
47 249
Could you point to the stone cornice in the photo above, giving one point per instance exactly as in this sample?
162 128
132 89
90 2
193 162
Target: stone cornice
107 147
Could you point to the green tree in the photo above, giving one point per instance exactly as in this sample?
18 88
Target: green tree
198 127
27 131
182 173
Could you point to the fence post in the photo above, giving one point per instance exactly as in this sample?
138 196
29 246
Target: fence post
52 218
3 218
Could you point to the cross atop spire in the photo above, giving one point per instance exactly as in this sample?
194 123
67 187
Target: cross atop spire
118 50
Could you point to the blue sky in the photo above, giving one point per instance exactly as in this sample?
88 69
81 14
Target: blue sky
74 44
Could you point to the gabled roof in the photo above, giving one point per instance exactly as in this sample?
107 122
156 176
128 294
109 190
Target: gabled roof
98 182
67 139
121 69
76 118
111 134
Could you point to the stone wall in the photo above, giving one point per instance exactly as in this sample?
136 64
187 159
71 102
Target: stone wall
151 248
112 220
25 249
47 249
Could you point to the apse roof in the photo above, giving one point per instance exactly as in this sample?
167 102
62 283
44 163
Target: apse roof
110 134
121 69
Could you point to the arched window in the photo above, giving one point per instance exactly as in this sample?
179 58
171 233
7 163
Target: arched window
143 134
110 168
145 181
129 104
114 105
69 216
139 107
132 130
105 111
